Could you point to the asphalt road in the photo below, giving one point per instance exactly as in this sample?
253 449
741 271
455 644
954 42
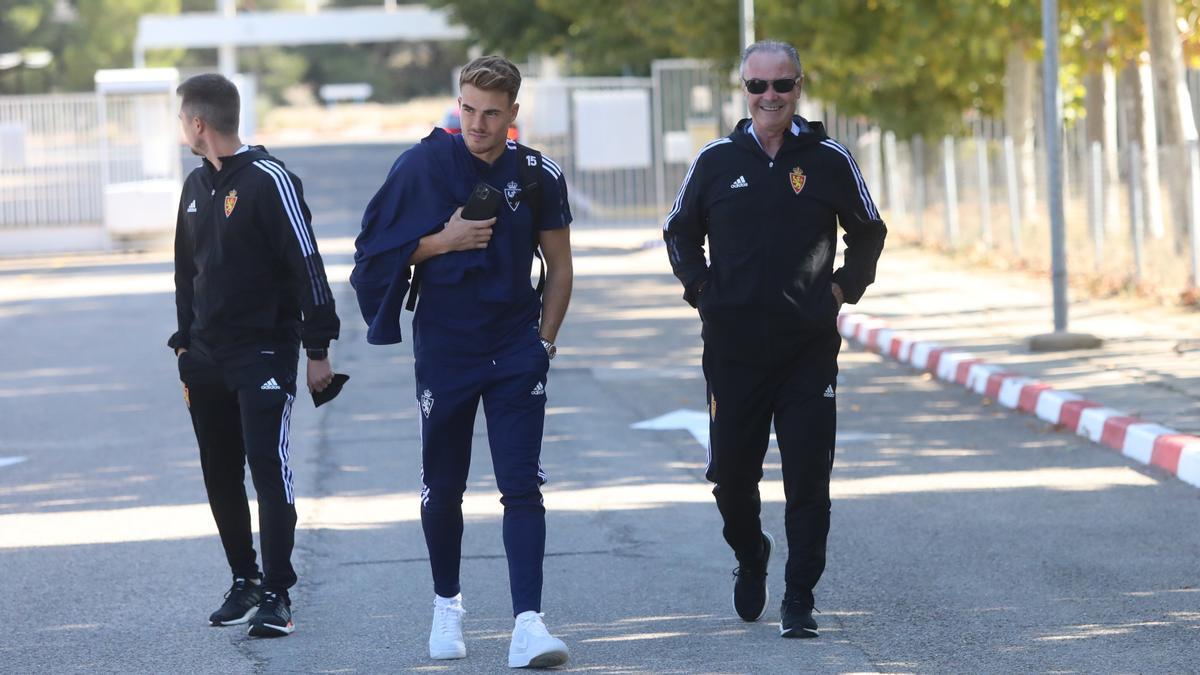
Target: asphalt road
964 538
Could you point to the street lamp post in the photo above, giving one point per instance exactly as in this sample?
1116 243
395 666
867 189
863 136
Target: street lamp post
1060 339
746 23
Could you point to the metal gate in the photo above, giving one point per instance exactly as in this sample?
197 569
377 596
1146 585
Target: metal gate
625 143
59 152
692 106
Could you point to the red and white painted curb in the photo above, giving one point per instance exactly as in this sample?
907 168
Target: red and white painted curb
1133 437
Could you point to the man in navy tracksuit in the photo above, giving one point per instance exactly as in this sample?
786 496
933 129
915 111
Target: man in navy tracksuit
250 288
769 198
480 332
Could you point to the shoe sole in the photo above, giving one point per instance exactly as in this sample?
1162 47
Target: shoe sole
767 591
548 659
269 630
801 633
448 655
249 615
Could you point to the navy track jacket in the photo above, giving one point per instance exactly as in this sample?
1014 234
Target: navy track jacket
247 269
771 227
423 188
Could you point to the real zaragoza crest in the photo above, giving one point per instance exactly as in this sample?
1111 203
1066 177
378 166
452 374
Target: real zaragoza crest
512 194
797 179
230 202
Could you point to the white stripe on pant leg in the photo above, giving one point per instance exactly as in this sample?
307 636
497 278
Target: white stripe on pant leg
421 444
284 472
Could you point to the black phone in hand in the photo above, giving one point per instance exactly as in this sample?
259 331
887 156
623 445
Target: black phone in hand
483 203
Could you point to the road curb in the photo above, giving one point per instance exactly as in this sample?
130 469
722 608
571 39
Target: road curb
1133 437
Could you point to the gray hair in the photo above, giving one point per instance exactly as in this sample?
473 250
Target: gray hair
775 46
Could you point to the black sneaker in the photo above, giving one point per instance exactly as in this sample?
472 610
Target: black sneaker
241 602
750 594
274 617
796 620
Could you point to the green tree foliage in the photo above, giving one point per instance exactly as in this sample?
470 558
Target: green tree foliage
914 66
26 26
102 37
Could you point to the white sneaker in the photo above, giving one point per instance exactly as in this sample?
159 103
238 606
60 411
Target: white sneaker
445 636
533 646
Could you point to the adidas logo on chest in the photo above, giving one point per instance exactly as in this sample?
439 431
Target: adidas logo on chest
739 183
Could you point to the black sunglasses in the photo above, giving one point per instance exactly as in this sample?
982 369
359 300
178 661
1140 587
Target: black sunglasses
783 86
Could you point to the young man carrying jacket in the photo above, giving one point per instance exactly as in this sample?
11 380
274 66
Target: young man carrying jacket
480 333
250 288
769 198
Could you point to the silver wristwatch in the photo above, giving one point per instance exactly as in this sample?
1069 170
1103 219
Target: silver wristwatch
551 350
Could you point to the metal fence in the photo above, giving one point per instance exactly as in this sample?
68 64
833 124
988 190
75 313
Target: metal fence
59 152
598 131
967 194
1132 216
625 143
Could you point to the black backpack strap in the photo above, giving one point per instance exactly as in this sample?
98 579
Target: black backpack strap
413 287
530 173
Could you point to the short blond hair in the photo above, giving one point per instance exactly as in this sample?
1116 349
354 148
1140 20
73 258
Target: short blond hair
492 73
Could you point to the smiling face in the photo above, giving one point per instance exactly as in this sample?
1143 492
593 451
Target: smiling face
486 115
771 111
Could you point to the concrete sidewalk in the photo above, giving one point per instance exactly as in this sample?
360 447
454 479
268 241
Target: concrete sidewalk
1138 394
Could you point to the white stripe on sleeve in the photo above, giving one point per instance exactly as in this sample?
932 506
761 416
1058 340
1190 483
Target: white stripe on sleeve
287 194
868 203
683 188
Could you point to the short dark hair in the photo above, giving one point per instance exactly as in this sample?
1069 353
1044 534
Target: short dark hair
776 46
214 99
492 73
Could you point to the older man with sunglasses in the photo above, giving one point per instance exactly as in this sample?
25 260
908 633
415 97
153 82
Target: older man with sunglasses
769 198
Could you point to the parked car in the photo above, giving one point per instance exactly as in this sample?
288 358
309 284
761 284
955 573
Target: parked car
452 123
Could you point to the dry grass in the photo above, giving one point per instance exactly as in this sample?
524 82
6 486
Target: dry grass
1164 275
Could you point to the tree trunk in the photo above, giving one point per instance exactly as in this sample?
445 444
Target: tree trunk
1174 106
1021 76
1138 112
1101 127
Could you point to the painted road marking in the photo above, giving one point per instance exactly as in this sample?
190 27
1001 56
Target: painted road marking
695 422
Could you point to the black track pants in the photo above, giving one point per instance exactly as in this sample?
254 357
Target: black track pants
799 397
241 410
